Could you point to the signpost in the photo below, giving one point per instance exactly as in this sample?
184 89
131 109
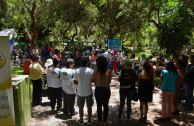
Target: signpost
115 44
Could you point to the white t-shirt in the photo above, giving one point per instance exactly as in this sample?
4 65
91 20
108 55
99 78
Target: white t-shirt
99 50
86 53
120 54
66 54
53 79
84 76
67 76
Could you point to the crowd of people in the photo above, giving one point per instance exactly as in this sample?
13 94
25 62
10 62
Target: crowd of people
72 73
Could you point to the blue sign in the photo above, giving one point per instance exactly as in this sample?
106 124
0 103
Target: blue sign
11 42
115 44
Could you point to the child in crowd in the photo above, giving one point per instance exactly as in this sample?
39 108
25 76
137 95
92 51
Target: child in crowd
84 77
145 90
102 80
168 77
36 75
69 93
127 79
93 60
54 85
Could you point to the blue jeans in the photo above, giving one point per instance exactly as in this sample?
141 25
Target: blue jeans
189 95
122 103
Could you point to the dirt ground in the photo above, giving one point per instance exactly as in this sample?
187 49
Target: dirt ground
43 116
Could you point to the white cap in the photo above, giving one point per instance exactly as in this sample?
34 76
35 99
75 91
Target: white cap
49 62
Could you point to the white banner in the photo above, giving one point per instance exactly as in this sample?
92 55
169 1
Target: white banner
7 115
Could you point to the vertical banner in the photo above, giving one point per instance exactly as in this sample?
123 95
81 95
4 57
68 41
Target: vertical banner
7 115
115 44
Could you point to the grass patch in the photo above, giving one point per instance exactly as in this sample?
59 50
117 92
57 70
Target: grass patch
17 71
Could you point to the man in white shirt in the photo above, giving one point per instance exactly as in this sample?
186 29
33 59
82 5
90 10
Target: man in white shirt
54 85
84 77
100 49
67 76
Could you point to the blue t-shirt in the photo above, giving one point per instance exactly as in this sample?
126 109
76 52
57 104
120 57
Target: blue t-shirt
169 79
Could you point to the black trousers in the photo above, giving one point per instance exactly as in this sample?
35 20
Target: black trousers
55 94
68 103
102 96
37 91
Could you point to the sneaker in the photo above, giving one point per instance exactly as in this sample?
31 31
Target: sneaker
90 122
81 122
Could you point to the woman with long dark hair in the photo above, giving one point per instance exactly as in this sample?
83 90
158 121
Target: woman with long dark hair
102 80
168 78
145 90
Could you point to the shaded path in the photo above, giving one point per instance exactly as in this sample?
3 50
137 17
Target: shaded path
42 115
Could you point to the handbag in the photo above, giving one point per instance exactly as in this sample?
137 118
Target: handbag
134 95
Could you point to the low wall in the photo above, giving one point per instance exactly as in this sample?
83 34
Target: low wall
22 99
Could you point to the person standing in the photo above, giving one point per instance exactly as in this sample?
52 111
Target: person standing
36 75
58 55
102 80
189 84
44 54
92 59
66 55
127 79
77 58
145 90
69 93
54 85
168 77
84 77
14 53
50 51
179 64
100 49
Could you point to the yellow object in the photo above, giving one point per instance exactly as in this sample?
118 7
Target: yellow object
35 71
6 85
2 60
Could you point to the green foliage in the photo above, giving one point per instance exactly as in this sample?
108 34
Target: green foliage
175 30
17 70
99 20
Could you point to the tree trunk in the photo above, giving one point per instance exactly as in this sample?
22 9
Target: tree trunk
34 35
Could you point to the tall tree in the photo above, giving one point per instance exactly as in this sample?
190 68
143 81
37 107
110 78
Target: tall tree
31 7
3 11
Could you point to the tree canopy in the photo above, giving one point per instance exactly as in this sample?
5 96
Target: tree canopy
169 23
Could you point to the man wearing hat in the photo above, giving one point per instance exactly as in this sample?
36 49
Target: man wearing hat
127 78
